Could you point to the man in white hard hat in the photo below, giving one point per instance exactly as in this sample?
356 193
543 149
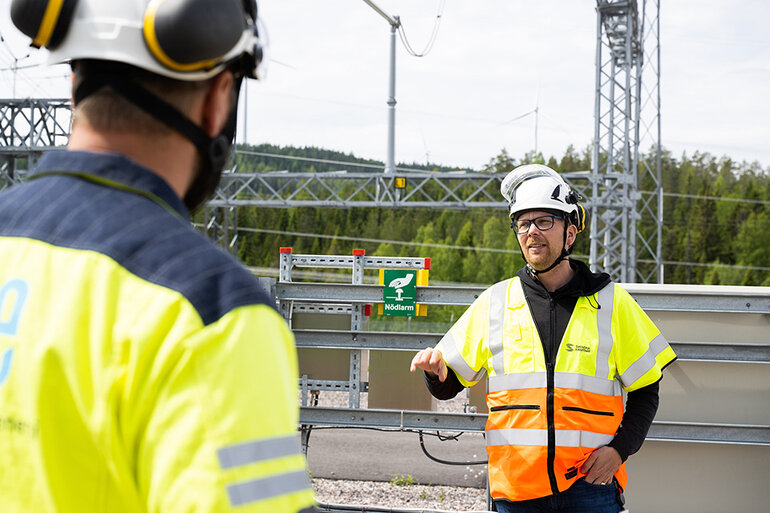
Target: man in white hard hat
142 367
557 343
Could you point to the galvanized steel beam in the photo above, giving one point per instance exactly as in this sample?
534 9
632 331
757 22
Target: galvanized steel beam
416 420
660 297
401 341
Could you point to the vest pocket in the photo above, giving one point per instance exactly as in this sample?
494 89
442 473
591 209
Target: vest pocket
515 407
589 412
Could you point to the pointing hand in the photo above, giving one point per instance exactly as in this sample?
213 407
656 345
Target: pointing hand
431 361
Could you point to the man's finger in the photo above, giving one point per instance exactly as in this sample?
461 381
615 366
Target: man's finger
442 372
418 361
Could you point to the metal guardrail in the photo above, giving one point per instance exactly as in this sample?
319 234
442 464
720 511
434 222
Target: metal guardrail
663 298
420 420
401 341
658 297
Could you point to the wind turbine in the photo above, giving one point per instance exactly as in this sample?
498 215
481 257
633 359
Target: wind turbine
535 111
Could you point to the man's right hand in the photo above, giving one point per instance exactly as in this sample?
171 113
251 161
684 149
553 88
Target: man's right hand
431 361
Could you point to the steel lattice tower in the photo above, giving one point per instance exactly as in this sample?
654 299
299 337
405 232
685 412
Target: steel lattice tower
626 189
623 190
29 127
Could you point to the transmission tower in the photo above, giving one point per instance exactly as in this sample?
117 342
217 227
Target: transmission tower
623 189
29 127
625 183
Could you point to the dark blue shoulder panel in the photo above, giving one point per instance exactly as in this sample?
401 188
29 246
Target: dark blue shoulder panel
139 234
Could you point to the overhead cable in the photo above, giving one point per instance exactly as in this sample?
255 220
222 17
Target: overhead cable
433 35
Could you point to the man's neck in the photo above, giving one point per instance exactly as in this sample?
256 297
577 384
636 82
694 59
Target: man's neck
557 277
171 157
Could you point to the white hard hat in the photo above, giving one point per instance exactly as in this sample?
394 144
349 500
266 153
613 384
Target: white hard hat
538 187
187 40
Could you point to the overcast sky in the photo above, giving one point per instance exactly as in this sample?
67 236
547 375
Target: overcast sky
492 61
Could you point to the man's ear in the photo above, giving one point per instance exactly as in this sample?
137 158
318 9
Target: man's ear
217 104
571 235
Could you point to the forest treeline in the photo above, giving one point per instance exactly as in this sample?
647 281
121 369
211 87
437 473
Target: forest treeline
716 222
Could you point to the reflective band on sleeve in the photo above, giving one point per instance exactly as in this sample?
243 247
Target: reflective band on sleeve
567 438
258 450
453 359
526 380
267 488
606 300
646 362
536 437
588 383
498 295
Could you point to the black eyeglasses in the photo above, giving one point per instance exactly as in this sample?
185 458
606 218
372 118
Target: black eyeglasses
543 223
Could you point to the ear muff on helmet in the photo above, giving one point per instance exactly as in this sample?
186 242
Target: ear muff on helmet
44 21
578 218
193 35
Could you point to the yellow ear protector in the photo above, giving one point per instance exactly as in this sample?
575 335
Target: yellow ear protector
45 21
182 35
197 35
581 217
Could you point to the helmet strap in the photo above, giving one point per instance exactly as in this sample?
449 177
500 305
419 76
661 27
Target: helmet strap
213 150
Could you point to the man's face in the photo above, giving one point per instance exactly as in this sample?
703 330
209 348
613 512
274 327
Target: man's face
542 247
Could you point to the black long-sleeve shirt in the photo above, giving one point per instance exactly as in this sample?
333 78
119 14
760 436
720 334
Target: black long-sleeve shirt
641 404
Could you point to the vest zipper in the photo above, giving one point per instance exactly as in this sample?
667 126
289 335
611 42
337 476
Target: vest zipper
550 365
551 428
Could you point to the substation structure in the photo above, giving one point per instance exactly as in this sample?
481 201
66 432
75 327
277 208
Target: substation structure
622 191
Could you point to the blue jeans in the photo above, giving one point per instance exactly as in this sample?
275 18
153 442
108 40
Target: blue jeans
581 497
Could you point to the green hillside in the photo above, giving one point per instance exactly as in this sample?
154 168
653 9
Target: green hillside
716 222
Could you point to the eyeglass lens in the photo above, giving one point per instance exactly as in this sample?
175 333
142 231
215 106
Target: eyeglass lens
543 223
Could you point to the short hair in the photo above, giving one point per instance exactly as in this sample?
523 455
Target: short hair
106 110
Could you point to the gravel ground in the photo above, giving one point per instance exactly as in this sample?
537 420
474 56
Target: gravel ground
412 496
404 495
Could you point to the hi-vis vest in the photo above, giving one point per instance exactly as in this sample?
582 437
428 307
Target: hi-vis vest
142 370
546 419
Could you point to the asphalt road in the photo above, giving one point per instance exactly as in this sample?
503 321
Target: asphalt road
367 455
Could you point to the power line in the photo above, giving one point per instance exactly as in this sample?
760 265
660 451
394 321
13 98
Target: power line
433 35
475 248
716 198
379 241
327 161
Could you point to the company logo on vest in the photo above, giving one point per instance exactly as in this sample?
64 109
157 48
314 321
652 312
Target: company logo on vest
578 347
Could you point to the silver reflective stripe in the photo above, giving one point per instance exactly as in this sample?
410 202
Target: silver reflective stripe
267 488
567 438
606 300
517 381
454 359
258 450
537 437
645 362
498 296
588 383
